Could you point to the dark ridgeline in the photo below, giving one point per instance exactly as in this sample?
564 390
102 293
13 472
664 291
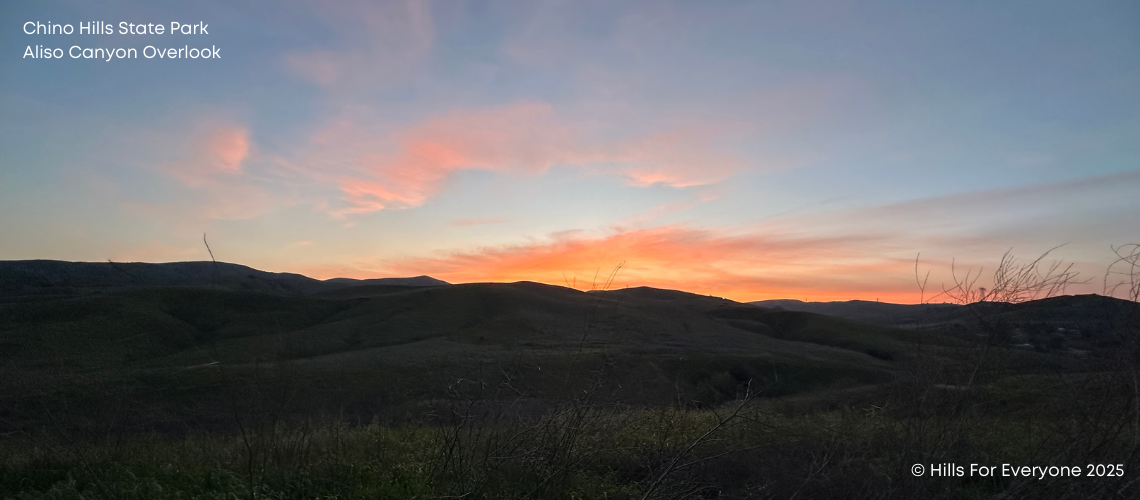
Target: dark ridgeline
36 277
1069 310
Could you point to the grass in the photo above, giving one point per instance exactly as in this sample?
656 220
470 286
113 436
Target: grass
776 449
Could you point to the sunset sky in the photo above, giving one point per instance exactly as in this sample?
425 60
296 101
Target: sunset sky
750 150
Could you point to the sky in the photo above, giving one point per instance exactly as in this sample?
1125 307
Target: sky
750 150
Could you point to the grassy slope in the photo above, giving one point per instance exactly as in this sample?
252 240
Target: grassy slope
373 346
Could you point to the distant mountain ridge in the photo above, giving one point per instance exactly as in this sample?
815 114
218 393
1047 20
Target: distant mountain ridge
412 281
1058 310
865 311
33 277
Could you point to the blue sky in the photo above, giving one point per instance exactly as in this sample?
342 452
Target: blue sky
746 149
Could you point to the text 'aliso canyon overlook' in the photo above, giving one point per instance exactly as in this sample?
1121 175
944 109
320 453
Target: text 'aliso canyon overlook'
108 54
104 28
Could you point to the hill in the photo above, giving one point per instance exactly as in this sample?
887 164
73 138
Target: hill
52 277
1074 311
413 281
378 348
876 313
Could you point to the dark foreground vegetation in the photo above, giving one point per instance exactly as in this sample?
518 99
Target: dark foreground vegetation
222 389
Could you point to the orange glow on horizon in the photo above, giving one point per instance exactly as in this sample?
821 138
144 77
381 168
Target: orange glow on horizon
742 268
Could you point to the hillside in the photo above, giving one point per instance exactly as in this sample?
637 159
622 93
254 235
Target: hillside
1068 310
376 348
876 313
371 348
52 277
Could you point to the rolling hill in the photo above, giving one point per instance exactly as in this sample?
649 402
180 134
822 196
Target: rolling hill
223 367
53 277
168 352
876 313
1090 312
168 339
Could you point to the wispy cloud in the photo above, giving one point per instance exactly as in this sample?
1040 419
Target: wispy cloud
865 252
214 154
211 165
1052 210
405 168
377 44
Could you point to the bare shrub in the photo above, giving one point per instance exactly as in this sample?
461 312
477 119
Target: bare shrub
1013 281
1124 273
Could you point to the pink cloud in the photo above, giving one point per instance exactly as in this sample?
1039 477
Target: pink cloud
212 166
214 153
674 158
407 167
227 147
